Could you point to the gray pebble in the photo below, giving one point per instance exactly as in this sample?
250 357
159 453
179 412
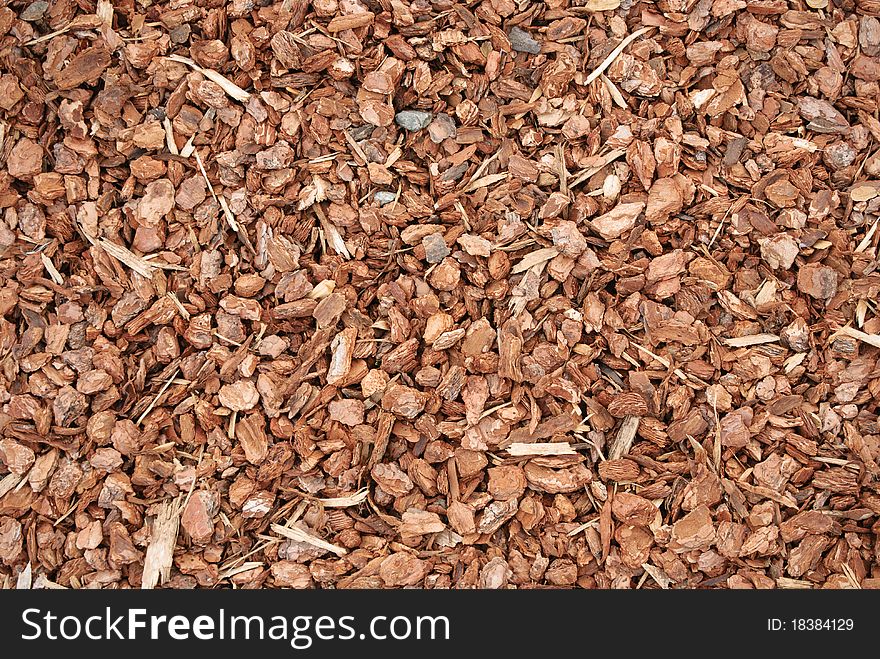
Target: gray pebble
35 11
435 248
522 42
384 197
363 132
181 33
413 120
839 155
455 172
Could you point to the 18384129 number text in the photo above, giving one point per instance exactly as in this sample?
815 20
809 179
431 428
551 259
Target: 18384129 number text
810 624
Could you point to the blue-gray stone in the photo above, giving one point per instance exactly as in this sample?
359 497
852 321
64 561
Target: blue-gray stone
384 197
35 11
413 120
435 248
522 42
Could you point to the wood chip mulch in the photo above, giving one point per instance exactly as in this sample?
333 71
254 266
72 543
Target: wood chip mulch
494 293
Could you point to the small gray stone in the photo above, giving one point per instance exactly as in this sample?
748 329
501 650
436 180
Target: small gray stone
384 197
35 11
839 155
522 42
455 172
180 34
413 120
435 248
